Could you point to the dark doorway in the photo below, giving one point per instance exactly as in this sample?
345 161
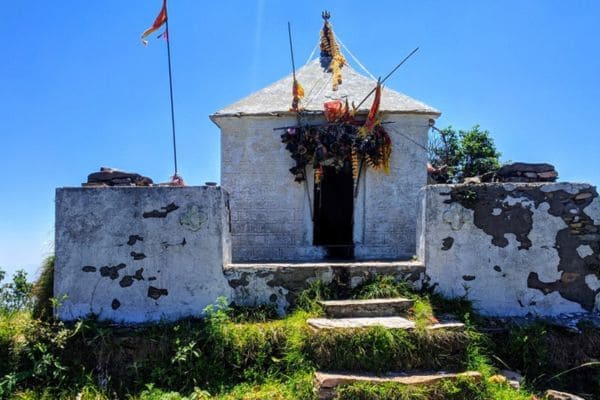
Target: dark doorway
334 205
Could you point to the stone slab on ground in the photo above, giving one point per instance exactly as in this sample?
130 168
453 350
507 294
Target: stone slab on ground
356 323
384 322
447 326
556 395
366 308
327 382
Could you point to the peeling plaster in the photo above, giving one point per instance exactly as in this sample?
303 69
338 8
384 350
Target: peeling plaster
534 262
585 250
593 282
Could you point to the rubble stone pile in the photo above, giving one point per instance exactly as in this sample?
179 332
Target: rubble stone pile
526 172
114 177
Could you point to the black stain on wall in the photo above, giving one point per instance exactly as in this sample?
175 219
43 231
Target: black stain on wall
89 268
133 239
497 268
468 277
447 243
112 272
137 256
161 214
115 304
155 293
126 281
138 275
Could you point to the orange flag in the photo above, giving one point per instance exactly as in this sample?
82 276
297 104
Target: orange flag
373 113
298 94
372 117
158 22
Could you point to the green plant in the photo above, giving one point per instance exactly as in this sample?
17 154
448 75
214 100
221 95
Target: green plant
308 299
15 295
382 286
463 154
259 313
43 291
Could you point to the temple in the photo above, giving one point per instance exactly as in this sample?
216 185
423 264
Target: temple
348 211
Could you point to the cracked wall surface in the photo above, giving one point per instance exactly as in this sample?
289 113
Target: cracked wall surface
514 249
138 254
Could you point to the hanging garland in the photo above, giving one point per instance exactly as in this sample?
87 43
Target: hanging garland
331 51
334 144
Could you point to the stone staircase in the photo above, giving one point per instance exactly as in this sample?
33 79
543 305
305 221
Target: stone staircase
386 313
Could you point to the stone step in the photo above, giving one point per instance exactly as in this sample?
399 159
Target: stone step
366 308
356 267
385 322
327 382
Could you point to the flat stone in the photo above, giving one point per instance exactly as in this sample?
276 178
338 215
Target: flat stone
447 326
385 322
356 323
556 395
511 169
513 378
548 175
327 382
583 196
112 177
366 308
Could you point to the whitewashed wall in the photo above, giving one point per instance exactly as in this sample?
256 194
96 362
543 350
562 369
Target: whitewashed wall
271 217
139 254
514 249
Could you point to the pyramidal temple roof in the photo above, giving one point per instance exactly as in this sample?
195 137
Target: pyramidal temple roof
277 98
325 79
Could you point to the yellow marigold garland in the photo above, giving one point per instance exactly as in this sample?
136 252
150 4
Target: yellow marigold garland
330 48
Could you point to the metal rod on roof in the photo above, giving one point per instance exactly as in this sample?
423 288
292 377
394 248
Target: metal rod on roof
387 76
292 51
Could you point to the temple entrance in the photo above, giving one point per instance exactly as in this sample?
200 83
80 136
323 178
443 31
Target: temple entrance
333 210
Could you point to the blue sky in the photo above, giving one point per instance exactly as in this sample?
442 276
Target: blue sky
78 90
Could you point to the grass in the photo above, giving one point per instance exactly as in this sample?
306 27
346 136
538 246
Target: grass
243 353
43 290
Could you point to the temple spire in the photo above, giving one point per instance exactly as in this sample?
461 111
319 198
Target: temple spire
331 57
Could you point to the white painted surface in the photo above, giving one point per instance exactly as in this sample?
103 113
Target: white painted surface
271 214
470 266
93 227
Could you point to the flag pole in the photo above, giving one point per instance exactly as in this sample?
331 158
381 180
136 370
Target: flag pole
171 89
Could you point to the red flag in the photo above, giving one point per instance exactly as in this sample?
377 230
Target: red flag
160 20
373 112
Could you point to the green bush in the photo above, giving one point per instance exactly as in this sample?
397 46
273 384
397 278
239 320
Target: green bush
15 295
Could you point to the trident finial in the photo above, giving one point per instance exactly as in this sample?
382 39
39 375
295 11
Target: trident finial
325 14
